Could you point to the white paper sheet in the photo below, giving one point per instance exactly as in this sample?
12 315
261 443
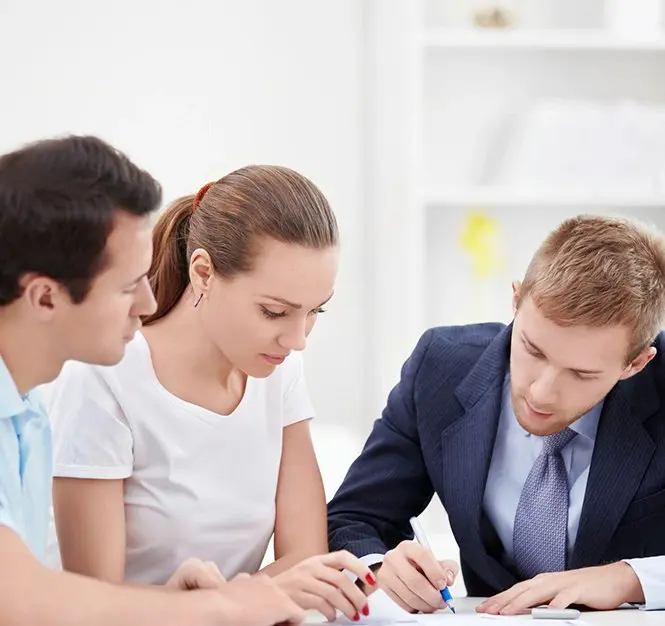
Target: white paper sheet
384 612
443 619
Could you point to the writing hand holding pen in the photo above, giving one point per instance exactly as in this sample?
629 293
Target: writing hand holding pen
421 538
413 578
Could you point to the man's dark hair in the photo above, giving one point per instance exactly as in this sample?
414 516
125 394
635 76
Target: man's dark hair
58 202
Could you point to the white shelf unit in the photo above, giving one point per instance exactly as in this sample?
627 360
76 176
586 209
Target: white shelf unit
497 198
566 40
433 95
433 92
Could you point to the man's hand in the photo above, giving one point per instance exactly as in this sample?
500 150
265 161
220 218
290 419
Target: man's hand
413 578
604 588
195 574
257 601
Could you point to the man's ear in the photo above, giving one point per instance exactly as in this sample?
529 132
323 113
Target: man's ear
517 286
42 295
639 362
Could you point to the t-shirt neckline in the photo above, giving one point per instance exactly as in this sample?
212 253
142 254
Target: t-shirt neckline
195 409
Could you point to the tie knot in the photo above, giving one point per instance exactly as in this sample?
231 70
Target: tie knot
553 444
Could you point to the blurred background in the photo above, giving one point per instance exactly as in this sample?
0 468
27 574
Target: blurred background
449 135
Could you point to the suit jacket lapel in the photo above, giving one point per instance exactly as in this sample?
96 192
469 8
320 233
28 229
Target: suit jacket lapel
467 447
622 453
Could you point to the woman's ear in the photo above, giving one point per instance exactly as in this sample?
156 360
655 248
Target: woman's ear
200 272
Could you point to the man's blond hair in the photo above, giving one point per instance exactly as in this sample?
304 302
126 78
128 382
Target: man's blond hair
601 271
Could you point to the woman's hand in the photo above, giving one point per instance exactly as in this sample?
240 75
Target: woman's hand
318 583
195 574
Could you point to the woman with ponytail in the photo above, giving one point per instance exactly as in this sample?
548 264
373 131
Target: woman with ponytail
197 444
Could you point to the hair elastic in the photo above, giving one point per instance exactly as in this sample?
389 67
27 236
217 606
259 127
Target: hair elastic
199 195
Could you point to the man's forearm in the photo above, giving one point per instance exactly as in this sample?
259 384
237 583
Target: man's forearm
31 594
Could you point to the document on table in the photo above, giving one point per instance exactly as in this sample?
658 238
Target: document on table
384 612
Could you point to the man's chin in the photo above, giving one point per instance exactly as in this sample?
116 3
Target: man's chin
106 357
541 427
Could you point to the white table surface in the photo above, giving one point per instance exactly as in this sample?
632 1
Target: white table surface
466 606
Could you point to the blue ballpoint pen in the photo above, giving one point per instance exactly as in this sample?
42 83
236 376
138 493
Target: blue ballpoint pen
421 538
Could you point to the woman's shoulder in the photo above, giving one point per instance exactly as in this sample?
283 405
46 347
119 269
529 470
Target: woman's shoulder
81 386
128 368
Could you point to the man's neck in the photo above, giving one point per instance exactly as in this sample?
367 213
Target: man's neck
28 357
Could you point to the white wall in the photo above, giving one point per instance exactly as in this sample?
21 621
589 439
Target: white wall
193 89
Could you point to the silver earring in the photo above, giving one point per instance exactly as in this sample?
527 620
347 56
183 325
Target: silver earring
199 300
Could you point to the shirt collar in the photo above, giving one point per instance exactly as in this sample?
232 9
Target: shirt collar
587 425
11 402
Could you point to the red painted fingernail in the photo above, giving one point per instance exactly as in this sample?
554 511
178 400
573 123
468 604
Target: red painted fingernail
370 580
356 618
366 610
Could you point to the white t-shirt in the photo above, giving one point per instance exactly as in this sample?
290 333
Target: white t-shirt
198 484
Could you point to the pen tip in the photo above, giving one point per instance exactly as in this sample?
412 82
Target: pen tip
452 608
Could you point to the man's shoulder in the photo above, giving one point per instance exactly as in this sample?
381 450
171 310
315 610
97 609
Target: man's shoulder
455 348
470 338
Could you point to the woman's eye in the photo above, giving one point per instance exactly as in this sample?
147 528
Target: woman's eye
272 315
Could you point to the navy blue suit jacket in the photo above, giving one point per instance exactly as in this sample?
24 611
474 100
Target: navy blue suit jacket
436 436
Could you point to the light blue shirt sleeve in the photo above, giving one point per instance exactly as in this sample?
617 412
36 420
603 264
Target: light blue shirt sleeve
26 464
8 478
650 571
25 477
5 514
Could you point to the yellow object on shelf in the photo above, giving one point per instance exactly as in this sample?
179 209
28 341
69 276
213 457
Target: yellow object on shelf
480 239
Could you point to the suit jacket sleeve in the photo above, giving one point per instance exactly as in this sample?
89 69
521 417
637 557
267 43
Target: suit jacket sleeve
388 483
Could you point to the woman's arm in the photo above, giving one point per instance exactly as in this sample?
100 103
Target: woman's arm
303 568
90 522
300 524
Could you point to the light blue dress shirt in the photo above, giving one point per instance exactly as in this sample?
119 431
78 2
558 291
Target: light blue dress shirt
515 451
26 464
